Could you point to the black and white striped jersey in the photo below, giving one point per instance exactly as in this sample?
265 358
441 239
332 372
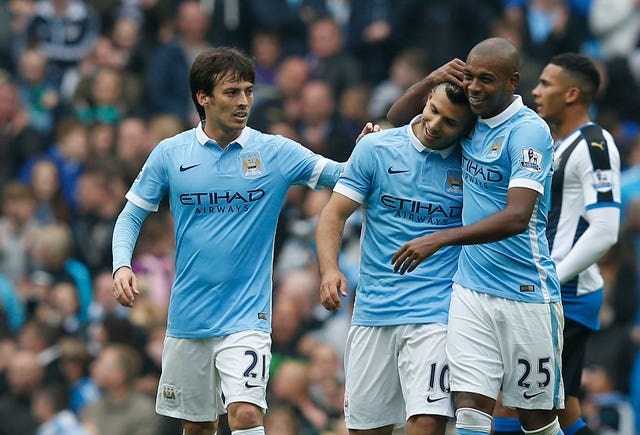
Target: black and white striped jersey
584 217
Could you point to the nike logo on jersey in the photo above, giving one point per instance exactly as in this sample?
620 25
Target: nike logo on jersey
437 399
393 171
531 396
186 168
598 145
248 385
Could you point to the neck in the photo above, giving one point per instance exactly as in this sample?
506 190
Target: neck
502 109
222 137
571 122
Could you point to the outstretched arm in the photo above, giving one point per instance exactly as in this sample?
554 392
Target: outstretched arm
511 220
328 241
412 102
332 170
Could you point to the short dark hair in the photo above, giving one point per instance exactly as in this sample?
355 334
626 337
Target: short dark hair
455 93
215 63
581 68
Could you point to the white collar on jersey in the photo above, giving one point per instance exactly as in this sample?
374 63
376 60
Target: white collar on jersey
203 138
507 113
421 148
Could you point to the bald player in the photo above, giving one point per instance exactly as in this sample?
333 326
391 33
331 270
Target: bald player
505 318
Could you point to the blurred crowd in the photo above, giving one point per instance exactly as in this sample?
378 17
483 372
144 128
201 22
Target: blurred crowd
88 88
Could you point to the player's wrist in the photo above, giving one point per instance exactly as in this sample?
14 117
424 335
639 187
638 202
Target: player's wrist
117 269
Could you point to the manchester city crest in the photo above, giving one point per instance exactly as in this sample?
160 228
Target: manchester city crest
454 181
252 166
496 148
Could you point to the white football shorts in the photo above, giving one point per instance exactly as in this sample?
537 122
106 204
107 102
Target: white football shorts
395 372
495 343
198 372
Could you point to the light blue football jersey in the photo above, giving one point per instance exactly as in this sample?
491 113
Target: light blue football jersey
407 191
225 206
512 149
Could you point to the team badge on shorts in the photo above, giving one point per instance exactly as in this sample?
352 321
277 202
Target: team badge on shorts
169 394
531 160
496 147
454 181
252 166
602 180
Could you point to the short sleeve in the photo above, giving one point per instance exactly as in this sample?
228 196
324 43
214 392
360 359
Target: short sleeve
531 154
151 183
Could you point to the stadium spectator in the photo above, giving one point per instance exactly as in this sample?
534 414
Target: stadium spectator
65 31
167 75
50 409
18 231
327 59
121 410
24 377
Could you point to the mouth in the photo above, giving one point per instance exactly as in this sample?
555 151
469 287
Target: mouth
241 116
429 134
475 100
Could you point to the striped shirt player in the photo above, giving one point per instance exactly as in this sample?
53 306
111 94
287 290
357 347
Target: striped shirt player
585 188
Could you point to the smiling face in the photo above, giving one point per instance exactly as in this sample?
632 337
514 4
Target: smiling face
227 108
443 121
489 84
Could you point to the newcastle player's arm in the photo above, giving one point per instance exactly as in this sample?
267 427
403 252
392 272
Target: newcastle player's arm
512 220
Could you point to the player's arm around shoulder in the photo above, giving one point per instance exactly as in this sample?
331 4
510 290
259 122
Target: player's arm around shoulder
412 101
328 241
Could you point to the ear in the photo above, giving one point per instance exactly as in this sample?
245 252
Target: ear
514 81
572 95
203 99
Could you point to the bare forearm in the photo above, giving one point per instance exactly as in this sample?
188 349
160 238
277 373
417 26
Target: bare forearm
328 241
496 227
410 103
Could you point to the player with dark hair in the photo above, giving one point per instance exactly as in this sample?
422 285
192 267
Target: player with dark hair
226 184
408 180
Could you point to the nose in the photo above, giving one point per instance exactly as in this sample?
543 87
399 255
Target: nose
473 85
536 92
435 124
